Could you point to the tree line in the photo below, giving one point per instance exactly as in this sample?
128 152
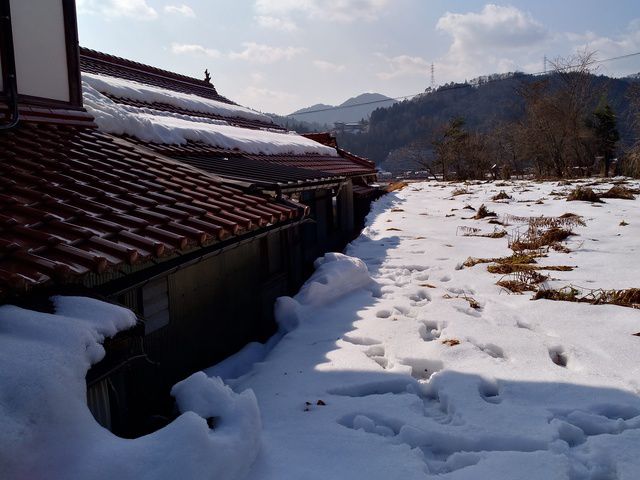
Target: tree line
567 123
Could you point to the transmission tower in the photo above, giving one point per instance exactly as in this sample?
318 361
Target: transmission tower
433 76
545 64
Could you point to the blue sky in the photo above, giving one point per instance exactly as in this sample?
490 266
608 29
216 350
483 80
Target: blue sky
281 55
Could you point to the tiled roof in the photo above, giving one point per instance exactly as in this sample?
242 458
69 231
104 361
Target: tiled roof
74 201
328 139
335 165
163 107
320 164
92 61
96 62
260 172
324 138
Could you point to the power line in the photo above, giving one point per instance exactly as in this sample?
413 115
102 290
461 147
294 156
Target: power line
457 86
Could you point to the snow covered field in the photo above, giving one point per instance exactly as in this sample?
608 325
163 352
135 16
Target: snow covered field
397 376
394 361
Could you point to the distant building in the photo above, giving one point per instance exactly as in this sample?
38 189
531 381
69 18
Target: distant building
354 128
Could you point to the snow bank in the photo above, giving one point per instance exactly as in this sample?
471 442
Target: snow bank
48 431
170 128
336 275
122 88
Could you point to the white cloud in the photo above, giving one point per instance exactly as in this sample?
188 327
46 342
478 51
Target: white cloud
331 10
276 23
328 66
137 9
497 39
183 9
191 49
403 65
259 53
495 26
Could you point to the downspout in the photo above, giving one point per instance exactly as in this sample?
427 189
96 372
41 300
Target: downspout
8 63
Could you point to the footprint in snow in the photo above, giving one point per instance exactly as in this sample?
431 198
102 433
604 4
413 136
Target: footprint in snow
429 330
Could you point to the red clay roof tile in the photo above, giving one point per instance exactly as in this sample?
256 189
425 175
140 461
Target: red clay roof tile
75 201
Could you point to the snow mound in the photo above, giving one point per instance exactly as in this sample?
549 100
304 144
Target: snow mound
170 128
48 431
122 88
336 275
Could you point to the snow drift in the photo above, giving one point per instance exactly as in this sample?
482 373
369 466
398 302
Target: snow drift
48 431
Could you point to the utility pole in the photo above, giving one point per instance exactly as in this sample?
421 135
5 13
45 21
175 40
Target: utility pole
545 64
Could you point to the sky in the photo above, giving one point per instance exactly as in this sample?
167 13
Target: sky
281 55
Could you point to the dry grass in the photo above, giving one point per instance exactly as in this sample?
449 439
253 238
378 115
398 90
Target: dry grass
484 212
625 298
535 238
476 232
452 342
501 196
459 191
394 229
618 191
623 223
396 186
525 281
507 268
513 259
473 303
583 194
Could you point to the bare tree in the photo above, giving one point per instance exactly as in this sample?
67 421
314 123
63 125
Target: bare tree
556 111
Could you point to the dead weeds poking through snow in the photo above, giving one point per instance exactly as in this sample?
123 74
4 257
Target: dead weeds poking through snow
473 303
619 191
513 259
536 238
523 281
625 298
583 194
501 196
505 269
484 212
459 191
476 232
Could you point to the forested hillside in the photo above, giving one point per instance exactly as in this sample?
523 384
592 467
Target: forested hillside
408 129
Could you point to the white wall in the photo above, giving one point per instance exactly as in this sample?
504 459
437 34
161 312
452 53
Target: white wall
40 48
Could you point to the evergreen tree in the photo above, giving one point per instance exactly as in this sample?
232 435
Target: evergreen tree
605 128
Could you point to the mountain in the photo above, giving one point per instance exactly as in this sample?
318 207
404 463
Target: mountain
352 110
402 133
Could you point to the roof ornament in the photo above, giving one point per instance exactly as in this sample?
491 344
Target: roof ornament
207 76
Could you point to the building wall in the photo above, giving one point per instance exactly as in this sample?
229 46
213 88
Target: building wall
40 48
194 318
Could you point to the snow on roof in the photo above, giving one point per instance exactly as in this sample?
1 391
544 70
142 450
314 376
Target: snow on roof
172 128
122 88
49 432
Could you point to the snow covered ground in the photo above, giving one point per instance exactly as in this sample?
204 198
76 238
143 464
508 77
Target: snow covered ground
393 374
393 361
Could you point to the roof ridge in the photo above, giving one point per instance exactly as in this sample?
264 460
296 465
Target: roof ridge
95 55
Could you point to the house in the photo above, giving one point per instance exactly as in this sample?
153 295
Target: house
192 211
322 177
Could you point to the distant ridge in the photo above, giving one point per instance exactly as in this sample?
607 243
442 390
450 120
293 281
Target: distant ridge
350 114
